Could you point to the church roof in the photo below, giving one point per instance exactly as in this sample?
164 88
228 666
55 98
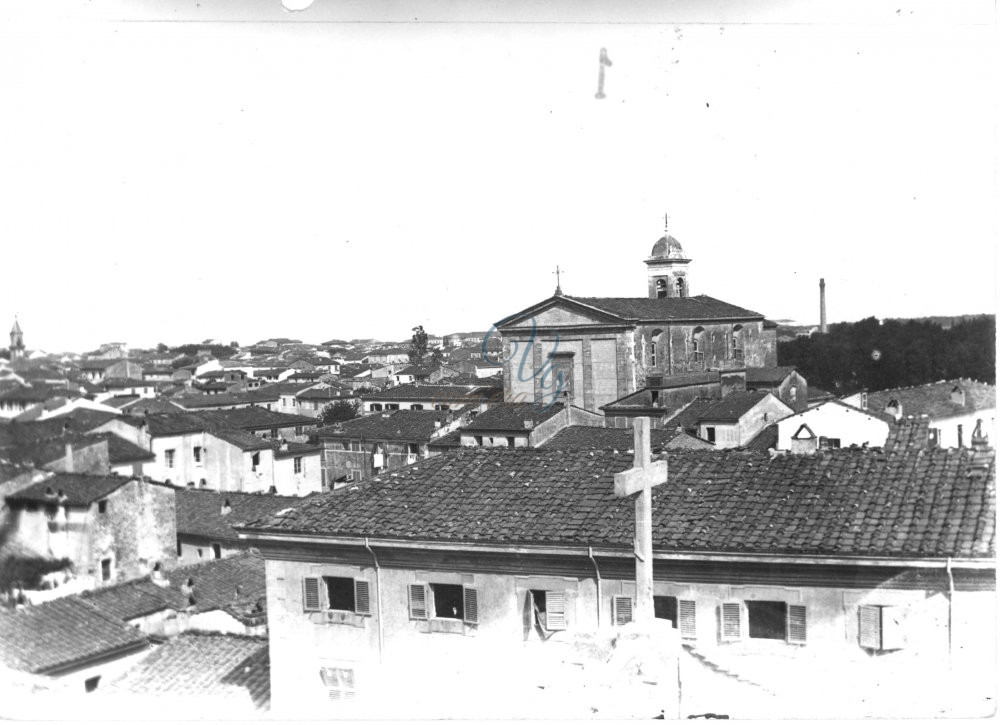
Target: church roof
667 247
644 309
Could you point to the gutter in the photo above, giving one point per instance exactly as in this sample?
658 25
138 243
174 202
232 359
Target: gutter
597 573
247 534
378 598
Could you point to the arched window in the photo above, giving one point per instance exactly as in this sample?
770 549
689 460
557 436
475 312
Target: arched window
661 288
654 336
697 348
737 346
679 284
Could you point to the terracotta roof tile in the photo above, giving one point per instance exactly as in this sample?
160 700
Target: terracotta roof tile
200 513
199 666
700 307
59 634
831 503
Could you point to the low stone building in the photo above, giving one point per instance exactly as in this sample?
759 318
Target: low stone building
111 528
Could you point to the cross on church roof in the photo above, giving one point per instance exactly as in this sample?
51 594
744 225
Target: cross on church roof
558 286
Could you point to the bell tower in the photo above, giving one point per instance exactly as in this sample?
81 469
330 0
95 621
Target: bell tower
667 267
16 342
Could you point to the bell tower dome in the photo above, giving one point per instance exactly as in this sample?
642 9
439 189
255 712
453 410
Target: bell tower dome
667 268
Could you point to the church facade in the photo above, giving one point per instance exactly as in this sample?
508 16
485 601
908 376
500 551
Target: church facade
606 348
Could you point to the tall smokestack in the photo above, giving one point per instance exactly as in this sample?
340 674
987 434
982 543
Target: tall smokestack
822 305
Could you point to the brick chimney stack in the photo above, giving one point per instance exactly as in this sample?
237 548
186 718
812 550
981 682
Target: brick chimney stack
822 305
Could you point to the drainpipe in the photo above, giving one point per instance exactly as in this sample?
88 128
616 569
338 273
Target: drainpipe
378 598
951 596
597 571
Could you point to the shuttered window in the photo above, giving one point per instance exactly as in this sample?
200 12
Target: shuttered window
796 624
310 594
731 629
362 597
870 627
686 618
418 601
555 610
339 683
470 598
621 610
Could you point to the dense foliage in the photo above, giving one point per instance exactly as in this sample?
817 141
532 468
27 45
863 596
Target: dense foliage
220 352
340 411
869 355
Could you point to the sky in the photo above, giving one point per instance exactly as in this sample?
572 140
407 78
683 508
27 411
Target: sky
179 170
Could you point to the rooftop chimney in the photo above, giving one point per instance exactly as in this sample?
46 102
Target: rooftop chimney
895 409
822 305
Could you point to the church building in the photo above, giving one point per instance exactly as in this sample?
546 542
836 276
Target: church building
16 342
607 348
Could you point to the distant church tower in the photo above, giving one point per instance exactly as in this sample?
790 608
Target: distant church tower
666 268
16 342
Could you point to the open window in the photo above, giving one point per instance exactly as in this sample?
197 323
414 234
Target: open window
444 601
337 594
549 609
758 619
680 612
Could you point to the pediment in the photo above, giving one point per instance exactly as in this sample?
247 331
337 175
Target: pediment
559 312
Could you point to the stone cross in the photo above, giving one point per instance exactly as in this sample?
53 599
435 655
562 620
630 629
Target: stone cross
644 474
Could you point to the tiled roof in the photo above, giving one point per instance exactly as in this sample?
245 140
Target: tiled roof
43 452
404 425
908 435
199 513
234 584
120 401
99 363
683 380
291 449
588 438
62 633
233 670
172 424
937 503
255 418
772 376
700 307
38 394
325 394
122 451
729 409
765 440
250 397
934 399
512 417
241 439
442 393
80 489
148 406
135 598
819 394
449 440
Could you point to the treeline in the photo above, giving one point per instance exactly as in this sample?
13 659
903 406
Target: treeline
867 355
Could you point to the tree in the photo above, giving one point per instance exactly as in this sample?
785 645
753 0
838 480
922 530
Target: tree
340 411
418 344
162 347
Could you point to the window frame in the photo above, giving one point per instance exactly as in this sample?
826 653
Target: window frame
421 605
316 598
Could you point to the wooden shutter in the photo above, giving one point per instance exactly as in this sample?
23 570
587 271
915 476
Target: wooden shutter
555 610
621 610
418 601
870 626
797 623
310 594
362 597
686 618
731 629
470 601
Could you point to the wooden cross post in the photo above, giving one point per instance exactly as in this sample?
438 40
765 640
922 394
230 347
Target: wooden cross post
640 479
